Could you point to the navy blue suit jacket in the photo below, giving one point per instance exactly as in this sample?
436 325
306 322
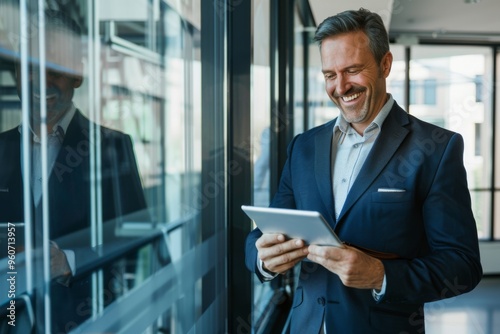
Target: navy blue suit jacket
70 204
70 183
430 226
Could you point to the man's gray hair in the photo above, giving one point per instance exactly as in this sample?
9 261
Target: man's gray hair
357 20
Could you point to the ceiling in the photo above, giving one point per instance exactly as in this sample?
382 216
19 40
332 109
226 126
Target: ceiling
413 20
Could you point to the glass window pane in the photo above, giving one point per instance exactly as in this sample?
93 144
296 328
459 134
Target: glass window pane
261 102
300 43
496 222
261 135
445 81
396 79
108 185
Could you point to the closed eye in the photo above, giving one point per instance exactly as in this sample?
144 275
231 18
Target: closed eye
353 71
329 76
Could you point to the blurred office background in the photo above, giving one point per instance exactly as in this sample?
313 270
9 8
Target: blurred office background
211 92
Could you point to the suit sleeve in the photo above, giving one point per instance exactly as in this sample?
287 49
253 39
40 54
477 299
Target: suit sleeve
122 188
284 198
453 265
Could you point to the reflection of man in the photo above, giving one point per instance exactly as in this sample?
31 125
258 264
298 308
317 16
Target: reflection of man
72 180
385 181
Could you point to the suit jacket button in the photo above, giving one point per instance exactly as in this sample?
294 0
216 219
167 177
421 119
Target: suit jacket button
321 301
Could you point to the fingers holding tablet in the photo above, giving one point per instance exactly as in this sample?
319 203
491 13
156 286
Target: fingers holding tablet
279 254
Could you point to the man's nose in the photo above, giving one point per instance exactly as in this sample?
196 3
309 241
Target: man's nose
50 76
342 85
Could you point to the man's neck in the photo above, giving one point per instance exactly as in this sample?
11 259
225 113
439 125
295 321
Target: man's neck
36 128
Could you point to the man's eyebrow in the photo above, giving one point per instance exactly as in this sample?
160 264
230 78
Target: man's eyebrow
355 66
350 67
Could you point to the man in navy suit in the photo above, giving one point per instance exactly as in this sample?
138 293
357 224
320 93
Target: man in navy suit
388 183
71 137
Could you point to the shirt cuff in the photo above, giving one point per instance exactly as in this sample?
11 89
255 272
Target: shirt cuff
377 295
266 275
70 257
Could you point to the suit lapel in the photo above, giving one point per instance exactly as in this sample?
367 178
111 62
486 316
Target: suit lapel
390 138
323 167
74 149
11 181
11 151
68 184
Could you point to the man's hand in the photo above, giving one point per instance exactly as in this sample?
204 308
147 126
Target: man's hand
278 254
59 266
354 268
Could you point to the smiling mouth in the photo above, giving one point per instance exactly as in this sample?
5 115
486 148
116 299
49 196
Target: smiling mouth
351 97
47 97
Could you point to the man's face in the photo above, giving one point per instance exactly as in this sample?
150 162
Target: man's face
354 80
59 93
60 86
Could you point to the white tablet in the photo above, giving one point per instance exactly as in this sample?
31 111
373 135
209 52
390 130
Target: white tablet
309 226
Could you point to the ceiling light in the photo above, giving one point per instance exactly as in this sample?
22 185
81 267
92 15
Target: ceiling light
407 40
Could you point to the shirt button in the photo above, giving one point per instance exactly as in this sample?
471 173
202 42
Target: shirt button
321 301
344 180
356 145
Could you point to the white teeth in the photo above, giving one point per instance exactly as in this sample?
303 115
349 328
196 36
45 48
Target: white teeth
351 97
46 97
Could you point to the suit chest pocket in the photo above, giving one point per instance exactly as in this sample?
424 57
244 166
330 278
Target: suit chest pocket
396 216
391 197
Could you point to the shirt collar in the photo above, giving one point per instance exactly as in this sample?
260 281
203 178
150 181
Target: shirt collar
66 119
63 124
342 125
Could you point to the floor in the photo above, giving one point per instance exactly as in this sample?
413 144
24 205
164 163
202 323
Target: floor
477 312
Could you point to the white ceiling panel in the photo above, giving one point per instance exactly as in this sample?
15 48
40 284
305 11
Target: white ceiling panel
322 9
442 18
446 19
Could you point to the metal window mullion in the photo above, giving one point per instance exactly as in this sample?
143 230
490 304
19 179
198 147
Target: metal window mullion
151 39
188 183
26 142
96 237
44 165
493 141
407 80
26 146
239 61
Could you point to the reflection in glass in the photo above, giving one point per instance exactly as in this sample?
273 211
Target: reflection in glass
69 156
122 91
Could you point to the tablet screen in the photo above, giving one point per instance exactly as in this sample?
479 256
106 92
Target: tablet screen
309 226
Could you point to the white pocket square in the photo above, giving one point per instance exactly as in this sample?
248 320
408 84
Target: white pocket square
4 190
391 190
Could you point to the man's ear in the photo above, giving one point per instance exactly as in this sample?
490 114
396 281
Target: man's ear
77 81
78 76
386 64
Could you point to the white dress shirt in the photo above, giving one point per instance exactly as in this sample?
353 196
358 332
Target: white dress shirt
349 152
54 142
